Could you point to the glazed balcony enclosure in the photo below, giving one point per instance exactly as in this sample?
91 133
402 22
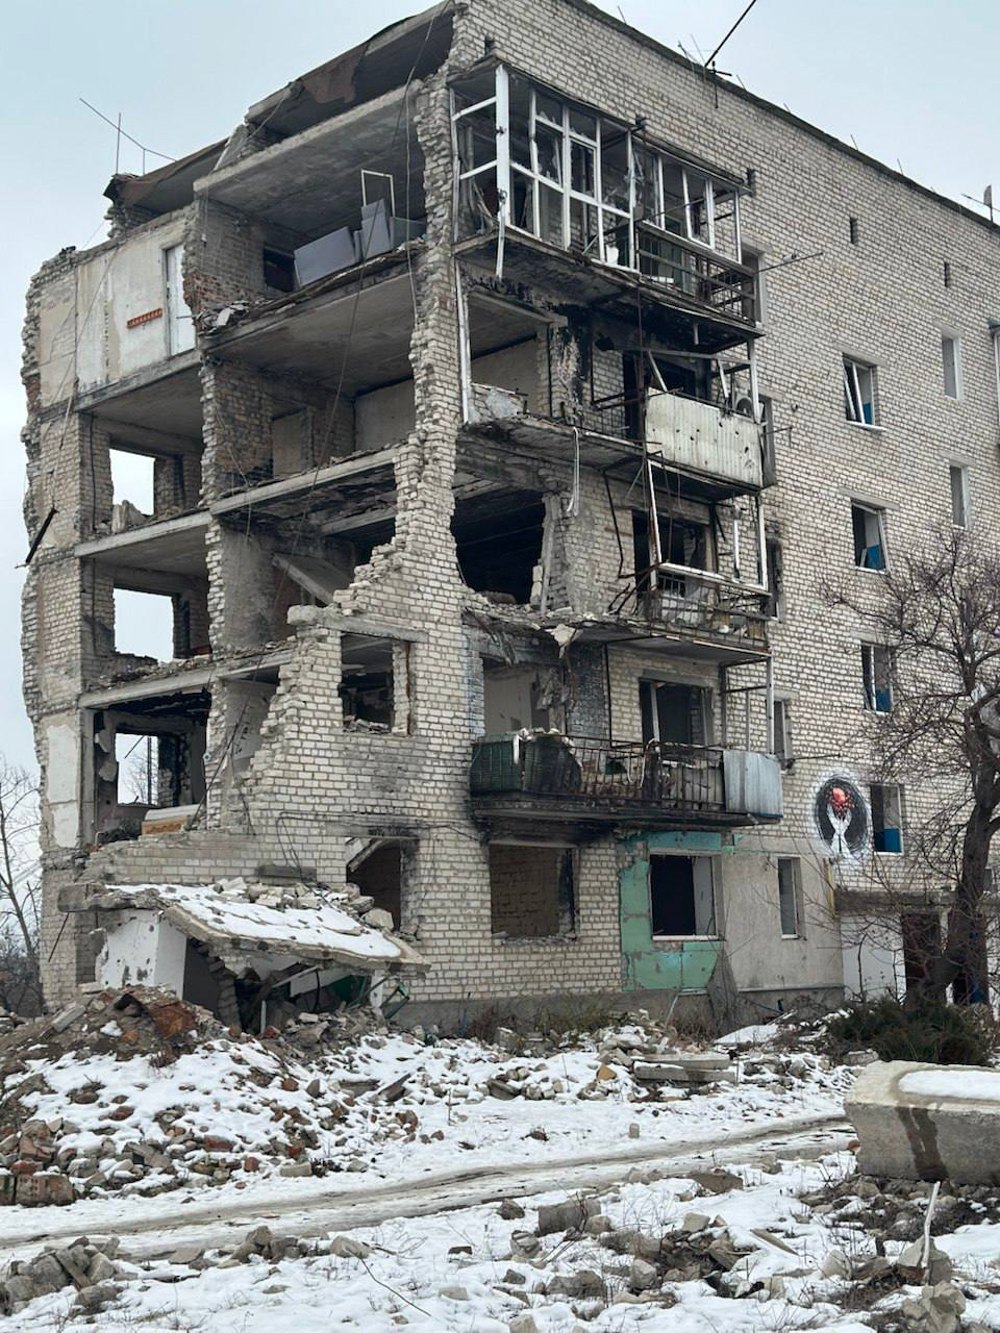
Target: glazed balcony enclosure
547 776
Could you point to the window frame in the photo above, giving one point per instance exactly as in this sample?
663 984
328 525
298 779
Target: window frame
878 513
795 869
964 496
953 342
854 399
891 798
870 675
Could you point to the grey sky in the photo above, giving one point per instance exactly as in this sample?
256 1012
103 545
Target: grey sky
913 81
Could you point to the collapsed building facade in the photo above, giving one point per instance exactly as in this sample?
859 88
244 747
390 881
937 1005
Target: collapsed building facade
507 387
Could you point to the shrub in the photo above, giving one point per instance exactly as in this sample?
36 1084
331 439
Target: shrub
930 1031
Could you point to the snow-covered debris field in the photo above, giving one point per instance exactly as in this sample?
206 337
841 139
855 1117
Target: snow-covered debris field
137 1093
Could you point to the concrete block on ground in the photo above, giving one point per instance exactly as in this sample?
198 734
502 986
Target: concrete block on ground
927 1122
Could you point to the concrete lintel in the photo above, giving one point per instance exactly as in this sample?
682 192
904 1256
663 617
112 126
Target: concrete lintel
334 618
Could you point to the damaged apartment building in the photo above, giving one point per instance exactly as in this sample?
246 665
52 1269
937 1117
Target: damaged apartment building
470 434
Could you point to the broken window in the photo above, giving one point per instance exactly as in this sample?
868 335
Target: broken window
783 751
951 360
876 675
887 817
682 896
279 270
138 763
674 714
860 392
775 578
868 526
367 687
132 484
144 624
959 481
380 874
532 890
789 893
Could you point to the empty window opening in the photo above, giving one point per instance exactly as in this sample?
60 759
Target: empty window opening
291 443
854 231
138 764
947 273
951 361
789 893
499 546
775 578
368 684
868 525
887 817
682 896
279 270
770 451
783 751
380 876
959 480
518 698
752 179
876 675
860 393
532 890
144 624
133 481
674 714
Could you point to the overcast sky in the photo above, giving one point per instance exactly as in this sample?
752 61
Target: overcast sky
914 82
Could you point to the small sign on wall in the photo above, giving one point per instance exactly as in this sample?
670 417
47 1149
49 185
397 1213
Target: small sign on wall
147 318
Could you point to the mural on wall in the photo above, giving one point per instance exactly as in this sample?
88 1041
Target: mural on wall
841 814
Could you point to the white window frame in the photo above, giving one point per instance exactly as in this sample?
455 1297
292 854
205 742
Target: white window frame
893 795
879 516
854 398
871 673
963 507
951 352
795 872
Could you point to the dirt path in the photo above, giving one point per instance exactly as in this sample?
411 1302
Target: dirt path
164 1227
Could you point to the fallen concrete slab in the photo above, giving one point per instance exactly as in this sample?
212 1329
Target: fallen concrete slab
927 1122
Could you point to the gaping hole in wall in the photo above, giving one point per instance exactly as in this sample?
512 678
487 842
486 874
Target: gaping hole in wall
498 540
149 765
144 624
682 896
508 355
132 484
381 875
532 890
368 688
517 698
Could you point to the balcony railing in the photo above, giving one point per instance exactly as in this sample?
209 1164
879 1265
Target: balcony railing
586 777
699 437
698 603
695 271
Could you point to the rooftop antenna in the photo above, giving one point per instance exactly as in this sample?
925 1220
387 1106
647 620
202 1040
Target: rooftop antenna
121 134
710 62
986 201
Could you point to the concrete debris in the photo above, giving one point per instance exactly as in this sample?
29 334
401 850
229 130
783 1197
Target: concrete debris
938 1309
570 1215
86 1265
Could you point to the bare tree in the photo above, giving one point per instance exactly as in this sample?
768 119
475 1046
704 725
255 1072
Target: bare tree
19 885
938 611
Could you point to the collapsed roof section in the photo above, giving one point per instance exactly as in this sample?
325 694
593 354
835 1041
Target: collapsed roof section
238 922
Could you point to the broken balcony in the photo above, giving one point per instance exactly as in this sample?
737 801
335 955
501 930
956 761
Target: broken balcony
706 442
700 605
532 777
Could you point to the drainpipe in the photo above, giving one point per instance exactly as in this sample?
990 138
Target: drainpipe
995 333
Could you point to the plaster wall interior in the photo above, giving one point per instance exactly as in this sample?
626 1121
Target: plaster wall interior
348 671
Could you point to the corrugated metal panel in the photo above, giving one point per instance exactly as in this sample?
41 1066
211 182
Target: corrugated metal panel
697 436
753 783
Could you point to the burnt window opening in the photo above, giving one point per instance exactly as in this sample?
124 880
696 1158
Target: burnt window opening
368 688
674 714
775 562
532 890
279 270
947 274
854 230
682 896
499 547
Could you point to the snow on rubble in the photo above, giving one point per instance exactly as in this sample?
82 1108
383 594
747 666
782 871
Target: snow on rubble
134 1092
